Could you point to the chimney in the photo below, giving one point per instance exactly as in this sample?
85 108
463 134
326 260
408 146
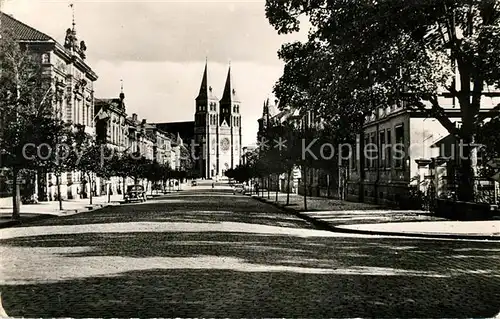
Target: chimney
134 117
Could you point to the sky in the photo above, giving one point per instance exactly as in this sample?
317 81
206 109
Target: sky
158 49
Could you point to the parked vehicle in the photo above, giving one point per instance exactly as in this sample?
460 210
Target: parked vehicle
238 188
194 183
135 193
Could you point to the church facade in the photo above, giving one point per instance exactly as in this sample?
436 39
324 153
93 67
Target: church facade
215 135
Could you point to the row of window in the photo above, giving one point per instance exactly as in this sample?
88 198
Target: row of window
82 113
385 151
213 119
213 107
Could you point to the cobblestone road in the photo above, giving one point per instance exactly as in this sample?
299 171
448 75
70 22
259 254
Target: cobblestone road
210 253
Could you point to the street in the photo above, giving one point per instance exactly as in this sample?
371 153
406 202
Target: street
208 253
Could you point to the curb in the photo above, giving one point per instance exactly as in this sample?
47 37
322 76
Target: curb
323 225
68 212
12 223
64 213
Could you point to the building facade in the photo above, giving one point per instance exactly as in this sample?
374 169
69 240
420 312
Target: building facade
213 139
407 141
72 82
112 130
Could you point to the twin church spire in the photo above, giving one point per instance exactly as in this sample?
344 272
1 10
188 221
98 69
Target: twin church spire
207 92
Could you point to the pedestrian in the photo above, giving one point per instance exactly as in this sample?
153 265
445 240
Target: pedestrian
213 185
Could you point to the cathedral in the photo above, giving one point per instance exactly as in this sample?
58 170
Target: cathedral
215 131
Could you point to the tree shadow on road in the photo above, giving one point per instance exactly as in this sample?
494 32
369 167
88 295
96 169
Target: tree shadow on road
258 275
225 293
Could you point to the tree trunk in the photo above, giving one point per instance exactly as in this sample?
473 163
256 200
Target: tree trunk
289 177
327 185
305 187
90 187
262 187
58 182
269 187
277 186
16 200
124 187
468 163
108 191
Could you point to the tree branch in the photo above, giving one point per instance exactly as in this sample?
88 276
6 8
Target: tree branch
438 113
491 113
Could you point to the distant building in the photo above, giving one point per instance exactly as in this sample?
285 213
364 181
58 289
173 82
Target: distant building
110 122
213 139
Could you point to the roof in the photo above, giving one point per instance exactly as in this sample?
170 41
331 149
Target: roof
206 91
22 31
114 105
184 129
447 139
229 94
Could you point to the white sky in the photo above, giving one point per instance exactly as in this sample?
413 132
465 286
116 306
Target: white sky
158 48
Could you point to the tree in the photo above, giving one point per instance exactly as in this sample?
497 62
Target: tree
27 116
186 162
123 166
89 157
394 52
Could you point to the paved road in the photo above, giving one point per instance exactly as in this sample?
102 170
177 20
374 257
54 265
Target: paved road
209 253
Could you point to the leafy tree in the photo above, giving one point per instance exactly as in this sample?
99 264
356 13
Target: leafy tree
90 157
369 53
27 115
123 165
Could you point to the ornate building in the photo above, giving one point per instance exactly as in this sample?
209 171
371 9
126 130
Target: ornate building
215 134
72 79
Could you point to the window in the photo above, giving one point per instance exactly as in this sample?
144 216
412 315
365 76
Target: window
87 117
388 157
365 151
399 147
373 150
381 141
354 156
45 58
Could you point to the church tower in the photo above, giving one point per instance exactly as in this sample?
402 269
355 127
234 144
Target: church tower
206 129
230 127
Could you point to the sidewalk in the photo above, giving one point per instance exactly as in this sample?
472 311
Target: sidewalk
343 216
42 210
